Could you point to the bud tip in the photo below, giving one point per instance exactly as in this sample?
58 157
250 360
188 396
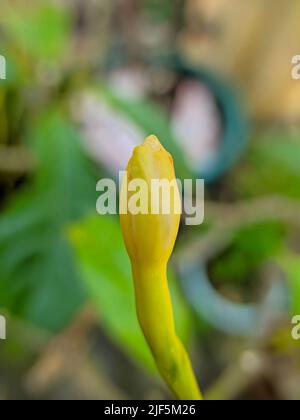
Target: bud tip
153 143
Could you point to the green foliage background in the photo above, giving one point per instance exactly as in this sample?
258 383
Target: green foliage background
57 255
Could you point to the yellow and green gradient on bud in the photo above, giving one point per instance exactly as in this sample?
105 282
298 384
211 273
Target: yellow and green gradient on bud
150 240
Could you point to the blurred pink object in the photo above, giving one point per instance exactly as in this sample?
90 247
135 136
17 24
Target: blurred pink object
108 136
129 82
196 122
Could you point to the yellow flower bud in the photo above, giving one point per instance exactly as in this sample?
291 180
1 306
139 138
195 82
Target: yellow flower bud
150 236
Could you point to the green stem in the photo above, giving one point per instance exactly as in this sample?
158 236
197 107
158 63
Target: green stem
155 313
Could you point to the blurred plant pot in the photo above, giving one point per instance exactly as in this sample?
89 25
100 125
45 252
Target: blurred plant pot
178 129
227 316
234 130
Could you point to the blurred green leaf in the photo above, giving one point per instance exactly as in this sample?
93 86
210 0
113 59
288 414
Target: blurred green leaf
41 30
291 265
107 274
251 246
272 167
38 280
159 10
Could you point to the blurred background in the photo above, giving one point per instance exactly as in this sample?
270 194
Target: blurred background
87 80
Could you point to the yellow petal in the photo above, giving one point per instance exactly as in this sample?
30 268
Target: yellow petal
150 238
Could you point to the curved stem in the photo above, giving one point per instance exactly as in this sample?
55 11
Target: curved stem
155 313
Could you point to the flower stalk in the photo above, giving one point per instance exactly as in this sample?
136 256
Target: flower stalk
150 240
